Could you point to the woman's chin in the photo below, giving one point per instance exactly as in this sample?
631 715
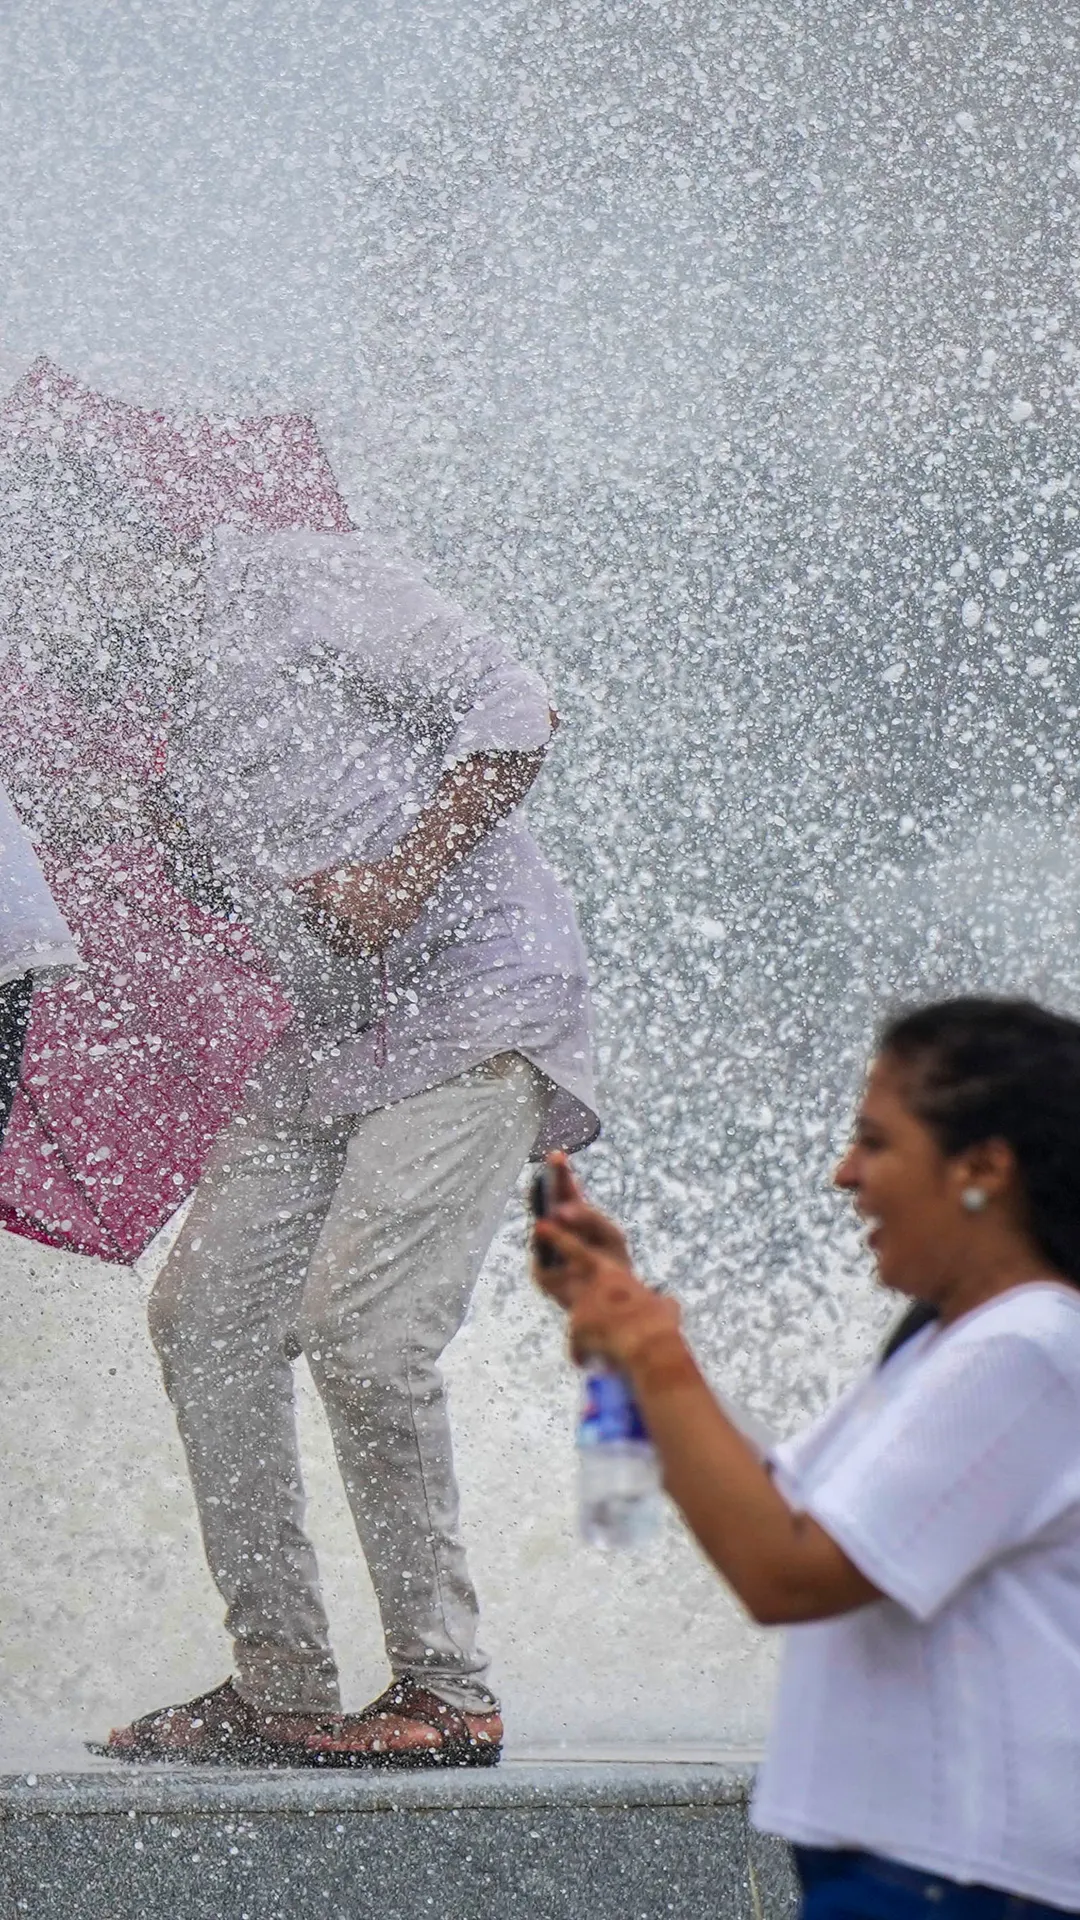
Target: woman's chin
892 1278
886 1275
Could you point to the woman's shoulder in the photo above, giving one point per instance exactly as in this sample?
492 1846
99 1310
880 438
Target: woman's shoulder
1040 1315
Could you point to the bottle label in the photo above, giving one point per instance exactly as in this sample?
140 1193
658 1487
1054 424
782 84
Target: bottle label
609 1413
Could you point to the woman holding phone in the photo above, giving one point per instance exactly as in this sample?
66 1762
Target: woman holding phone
921 1541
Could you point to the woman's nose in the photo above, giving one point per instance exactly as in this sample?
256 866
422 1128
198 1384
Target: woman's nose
844 1174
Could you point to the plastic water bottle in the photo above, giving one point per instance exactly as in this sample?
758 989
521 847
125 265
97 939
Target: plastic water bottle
618 1467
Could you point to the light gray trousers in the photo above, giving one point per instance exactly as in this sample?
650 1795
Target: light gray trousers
358 1242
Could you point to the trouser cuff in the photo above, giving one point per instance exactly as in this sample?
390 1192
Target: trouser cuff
285 1686
465 1696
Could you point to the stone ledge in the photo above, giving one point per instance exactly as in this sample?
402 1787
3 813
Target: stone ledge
531 1840
121 1789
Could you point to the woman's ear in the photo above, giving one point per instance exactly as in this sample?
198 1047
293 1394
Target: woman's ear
989 1169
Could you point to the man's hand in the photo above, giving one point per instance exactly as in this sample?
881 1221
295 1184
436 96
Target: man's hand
358 910
188 865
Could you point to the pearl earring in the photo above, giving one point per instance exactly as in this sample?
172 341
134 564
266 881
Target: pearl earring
974 1199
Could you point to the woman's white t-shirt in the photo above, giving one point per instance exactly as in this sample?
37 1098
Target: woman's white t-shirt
940 1726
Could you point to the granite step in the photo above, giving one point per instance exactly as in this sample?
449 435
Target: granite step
546 1839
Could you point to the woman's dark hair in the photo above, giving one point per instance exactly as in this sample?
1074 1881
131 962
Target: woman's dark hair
987 1069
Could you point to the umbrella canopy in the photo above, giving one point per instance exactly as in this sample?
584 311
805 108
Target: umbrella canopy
135 1062
190 473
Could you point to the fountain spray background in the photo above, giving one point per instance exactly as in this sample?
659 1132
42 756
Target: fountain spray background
728 359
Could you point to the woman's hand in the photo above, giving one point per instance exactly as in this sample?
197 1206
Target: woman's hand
573 1213
614 1315
783 1565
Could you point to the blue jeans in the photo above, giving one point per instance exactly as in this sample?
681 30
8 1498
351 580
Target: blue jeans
839 1884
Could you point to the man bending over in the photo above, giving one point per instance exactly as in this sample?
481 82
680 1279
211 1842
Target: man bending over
347 752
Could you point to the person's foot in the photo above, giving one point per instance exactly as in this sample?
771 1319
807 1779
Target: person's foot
219 1728
407 1727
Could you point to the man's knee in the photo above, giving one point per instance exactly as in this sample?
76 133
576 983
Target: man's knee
374 1357
177 1322
327 1340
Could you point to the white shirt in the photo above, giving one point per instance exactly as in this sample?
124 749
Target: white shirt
940 1726
337 689
34 937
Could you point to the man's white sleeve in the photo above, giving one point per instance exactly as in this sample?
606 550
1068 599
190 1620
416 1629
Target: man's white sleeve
430 660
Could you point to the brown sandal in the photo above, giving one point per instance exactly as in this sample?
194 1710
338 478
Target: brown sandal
407 1727
219 1728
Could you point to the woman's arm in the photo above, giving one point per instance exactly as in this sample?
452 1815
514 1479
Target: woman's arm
782 1565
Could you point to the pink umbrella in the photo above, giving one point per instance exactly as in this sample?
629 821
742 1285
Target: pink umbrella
134 1064
192 473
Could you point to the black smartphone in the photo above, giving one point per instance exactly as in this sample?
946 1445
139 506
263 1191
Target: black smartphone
541 1201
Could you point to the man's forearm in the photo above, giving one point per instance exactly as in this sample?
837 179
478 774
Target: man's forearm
361 908
469 801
